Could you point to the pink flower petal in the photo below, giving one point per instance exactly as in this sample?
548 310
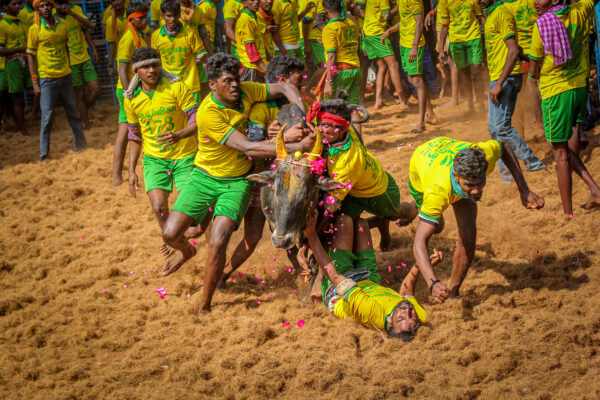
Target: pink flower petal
300 323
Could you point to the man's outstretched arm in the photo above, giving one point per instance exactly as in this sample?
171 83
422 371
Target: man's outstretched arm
424 232
289 91
528 198
323 260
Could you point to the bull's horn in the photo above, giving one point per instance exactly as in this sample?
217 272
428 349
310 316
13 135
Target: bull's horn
318 147
280 144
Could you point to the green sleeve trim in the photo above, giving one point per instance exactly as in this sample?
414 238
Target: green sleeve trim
331 51
360 3
430 219
124 61
110 41
418 13
347 295
444 17
222 141
249 41
385 10
259 125
508 36
268 91
229 19
535 58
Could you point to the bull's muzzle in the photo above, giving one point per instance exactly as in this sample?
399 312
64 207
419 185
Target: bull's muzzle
283 242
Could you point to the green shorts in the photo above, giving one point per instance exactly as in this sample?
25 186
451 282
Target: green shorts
372 45
298 53
203 193
467 53
198 97
415 67
344 261
348 80
83 73
386 204
17 76
317 51
159 173
234 51
120 99
202 73
561 112
3 83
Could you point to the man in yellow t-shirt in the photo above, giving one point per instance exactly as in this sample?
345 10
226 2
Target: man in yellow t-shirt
412 52
365 186
340 45
161 120
563 80
352 285
115 26
13 43
266 19
446 172
51 75
208 9
83 73
310 37
179 47
231 12
133 38
506 80
376 13
26 14
460 23
287 15
250 44
218 184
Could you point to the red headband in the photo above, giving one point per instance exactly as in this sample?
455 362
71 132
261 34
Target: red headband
315 112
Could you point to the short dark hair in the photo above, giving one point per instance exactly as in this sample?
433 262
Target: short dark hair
144 53
332 5
405 336
136 6
219 63
338 107
470 163
170 6
56 1
283 65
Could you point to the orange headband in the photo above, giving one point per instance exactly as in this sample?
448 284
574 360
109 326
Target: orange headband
137 14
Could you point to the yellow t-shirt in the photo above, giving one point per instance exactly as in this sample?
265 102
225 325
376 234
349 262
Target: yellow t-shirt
26 15
247 30
232 9
313 33
13 33
196 20
499 26
286 18
374 24
429 173
218 123
267 37
525 15
127 46
263 113
407 9
352 165
370 303
50 47
106 14
178 54
340 36
156 14
209 15
556 79
113 37
162 110
78 46
461 15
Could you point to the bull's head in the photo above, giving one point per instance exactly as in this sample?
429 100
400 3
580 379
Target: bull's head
291 190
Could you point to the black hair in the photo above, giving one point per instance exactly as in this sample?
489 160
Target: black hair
470 163
144 53
56 1
136 6
338 107
172 6
282 65
405 336
222 62
332 5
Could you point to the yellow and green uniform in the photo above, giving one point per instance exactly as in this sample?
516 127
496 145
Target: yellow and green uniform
13 34
155 14
26 15
407 10
178 53
367 187
218 183
286 18
247 30
231 11
127 45
430 174
374 25
82 69
3 81
463 30
261 116
525 15
499 26
267 36
164 109
114 37
564 87
50 47
208 10
340 36
107 13
314 34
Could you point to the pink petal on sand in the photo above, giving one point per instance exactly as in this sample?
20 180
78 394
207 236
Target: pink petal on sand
300 323
126 286
103 290
258 301
193 242
169 327
286 323
389 269
240 274
132 272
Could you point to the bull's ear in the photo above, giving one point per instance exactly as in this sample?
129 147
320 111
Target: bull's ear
263 177
328 184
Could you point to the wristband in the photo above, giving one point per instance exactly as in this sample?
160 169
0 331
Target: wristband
34 78
432 285
431 12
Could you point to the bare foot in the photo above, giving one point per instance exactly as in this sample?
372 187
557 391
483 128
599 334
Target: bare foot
117 180
176 261
418 129
379 106
203 310
386 240
407 213
223 281
593 202
450 103
431 119
402 103
166 250
315 292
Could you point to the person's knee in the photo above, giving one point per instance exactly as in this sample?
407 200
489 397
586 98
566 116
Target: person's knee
219 237
160 209
416 81
170 233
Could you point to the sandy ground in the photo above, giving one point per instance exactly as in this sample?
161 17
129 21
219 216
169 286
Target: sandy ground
80 316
